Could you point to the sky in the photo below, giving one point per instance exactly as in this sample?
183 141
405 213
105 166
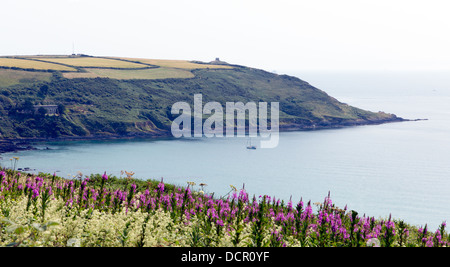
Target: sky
271 35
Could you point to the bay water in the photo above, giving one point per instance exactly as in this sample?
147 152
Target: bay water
399 169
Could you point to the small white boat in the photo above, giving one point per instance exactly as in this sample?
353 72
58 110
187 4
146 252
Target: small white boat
250 146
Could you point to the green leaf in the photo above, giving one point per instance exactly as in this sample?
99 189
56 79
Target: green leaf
15 228
39 227
4 220
50 224
13 244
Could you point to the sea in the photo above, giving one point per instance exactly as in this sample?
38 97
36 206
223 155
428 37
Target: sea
399 169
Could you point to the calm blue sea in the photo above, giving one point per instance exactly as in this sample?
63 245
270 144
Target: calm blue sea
401 169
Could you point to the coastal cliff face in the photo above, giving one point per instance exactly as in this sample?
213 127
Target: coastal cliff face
112 102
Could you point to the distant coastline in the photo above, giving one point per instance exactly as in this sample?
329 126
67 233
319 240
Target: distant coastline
23 144
83 97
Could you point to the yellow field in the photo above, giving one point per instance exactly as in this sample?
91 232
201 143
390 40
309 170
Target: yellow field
157 73
114 68
179 64
94 62
32 64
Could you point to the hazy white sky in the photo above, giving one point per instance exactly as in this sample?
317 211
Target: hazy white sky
272 35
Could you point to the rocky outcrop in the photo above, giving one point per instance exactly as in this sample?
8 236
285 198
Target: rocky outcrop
11 146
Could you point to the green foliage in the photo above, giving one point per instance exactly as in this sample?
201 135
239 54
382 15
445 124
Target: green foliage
103 106
122 183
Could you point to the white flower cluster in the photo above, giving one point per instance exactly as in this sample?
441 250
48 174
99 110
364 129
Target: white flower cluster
64 226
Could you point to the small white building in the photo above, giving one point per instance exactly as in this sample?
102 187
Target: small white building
50 109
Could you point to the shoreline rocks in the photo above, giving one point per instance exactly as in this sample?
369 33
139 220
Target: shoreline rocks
11 146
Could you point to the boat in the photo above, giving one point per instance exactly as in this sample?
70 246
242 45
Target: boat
250 146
